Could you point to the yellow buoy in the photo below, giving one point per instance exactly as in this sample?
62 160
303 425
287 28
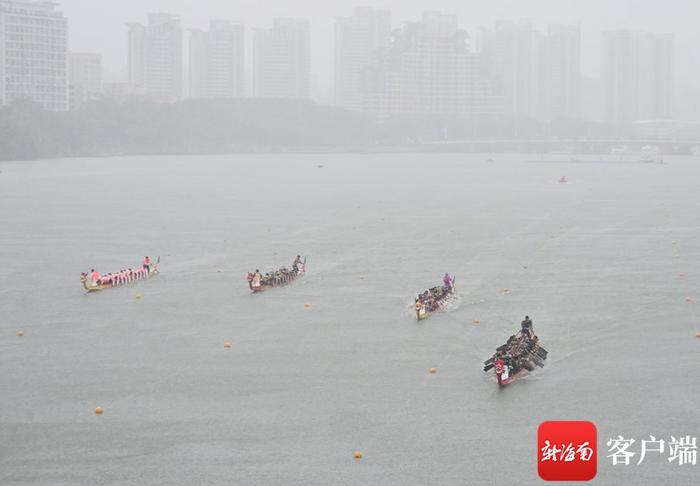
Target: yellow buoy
476 321
138 296
307 305
505 290
20 333
227 344
98 410
433 370
357 455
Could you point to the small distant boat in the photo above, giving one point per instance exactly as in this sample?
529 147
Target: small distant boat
110 280
277 278
619 150
563 180
433 299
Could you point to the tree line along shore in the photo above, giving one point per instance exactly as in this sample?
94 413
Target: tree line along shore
137 127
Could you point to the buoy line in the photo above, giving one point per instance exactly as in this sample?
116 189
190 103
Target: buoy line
428 377
690 303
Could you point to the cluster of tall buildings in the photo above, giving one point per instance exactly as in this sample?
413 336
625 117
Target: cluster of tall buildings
426 66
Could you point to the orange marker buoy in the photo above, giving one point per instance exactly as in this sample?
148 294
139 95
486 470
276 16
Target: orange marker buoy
476 321
98 410
20 333
432 371
227 344
307 305
697 334
357 455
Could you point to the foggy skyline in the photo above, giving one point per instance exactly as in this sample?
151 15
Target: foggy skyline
100 26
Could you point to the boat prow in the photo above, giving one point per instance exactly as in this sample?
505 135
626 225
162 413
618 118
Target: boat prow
511 378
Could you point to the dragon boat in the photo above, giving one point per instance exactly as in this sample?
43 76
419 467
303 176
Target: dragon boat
118 279
277 278
516 358
433 299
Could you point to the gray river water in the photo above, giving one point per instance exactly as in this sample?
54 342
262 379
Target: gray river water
336 363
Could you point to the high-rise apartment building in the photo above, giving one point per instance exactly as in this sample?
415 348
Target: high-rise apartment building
281 60
637 73
429 68
85 78
33 53
537 74
359 41
512 59
562 72
217 61
155 58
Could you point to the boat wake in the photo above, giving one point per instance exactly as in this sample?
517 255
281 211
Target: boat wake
452 303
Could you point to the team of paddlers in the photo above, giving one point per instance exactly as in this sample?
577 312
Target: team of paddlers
520 352
431 299
121 277
277 278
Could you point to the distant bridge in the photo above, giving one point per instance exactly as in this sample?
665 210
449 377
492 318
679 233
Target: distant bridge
602 145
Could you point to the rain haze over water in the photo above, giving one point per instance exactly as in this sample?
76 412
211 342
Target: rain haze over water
544 153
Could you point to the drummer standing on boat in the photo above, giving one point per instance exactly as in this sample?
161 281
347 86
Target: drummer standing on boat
94 276
526 327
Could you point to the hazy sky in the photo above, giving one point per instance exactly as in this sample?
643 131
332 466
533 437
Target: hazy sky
98 25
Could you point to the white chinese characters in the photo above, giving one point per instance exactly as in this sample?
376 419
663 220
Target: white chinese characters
566 453
682 450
